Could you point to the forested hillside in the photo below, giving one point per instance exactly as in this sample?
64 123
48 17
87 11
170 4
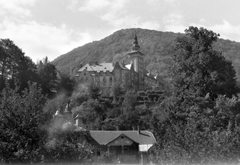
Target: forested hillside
156 45
197 121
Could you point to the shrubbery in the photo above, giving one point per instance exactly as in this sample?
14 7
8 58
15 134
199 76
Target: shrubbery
22 124
197 122
25 126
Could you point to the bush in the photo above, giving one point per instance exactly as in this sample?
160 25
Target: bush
22 124
69 147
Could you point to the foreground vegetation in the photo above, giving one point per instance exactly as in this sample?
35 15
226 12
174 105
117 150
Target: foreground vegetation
195 121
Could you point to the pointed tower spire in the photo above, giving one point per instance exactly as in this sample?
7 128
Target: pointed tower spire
135 46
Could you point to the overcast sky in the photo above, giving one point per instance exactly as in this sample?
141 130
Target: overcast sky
53 27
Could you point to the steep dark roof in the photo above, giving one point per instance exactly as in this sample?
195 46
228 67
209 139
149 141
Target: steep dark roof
135 46
104 137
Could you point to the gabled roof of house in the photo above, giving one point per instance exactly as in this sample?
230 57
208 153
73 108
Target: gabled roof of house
104 137
87 67
97 67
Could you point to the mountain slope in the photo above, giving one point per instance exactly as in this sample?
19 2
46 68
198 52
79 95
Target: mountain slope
156 45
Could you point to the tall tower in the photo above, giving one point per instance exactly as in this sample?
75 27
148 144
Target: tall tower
137 58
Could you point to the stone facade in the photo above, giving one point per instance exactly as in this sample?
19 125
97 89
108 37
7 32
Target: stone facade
128 69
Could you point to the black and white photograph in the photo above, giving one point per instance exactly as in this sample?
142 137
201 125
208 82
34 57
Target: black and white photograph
108 82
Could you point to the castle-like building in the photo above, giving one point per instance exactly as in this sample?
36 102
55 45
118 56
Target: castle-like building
127 69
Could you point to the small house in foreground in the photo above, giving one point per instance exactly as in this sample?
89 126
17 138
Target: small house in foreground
124 146
128 147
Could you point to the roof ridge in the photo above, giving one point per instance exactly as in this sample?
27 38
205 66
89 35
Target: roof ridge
91 67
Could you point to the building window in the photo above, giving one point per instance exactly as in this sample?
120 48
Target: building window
104 81
98 151
110 81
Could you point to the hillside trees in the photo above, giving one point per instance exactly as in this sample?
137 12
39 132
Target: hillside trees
199 68
68 147
15 67
195 124
94 91
201 125
204 134
47 76
130 101
27 135
22 124
65 83
116 91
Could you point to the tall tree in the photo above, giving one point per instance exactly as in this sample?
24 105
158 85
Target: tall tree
65 83
22 119
94 91
14 65
199 68
48 76
116 91
130 101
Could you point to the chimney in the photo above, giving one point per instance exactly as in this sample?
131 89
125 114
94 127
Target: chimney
139 131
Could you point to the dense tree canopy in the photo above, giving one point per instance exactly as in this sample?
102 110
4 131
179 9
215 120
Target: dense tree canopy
198 122
199 68
15 67
22 124
47 76
65 84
